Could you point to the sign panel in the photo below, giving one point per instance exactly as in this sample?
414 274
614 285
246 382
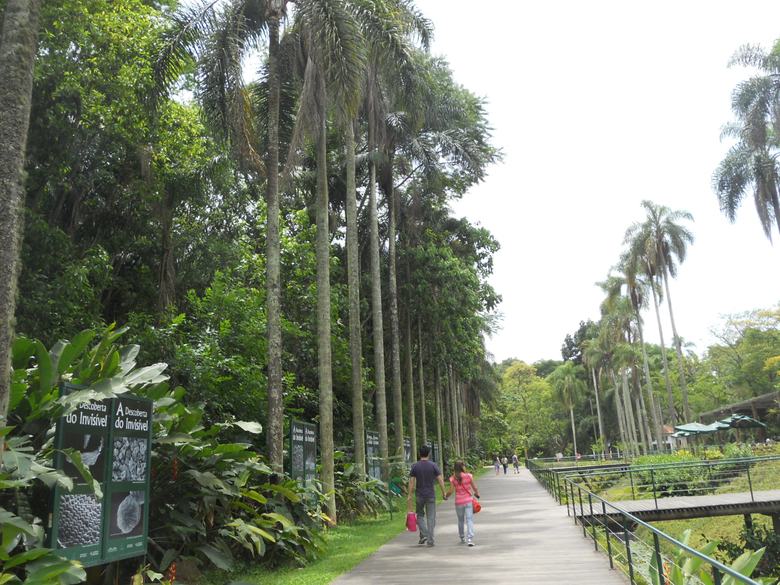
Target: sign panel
77 519
303 451
408 451
114 440
373 461
127 493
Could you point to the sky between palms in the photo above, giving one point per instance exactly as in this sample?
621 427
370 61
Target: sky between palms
598 105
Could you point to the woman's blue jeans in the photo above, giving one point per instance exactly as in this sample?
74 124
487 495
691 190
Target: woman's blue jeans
466 513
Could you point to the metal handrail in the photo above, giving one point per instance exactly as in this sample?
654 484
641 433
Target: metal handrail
719 569
699 463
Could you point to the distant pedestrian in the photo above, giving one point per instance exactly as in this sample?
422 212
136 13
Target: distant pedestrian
497 464
505 463
422 477
516 462
466 490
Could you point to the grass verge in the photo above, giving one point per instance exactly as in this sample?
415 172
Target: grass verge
345 547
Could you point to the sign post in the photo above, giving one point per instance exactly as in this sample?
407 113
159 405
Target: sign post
303 451
408 451
373 462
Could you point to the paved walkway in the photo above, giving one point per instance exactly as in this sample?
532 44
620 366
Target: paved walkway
522 536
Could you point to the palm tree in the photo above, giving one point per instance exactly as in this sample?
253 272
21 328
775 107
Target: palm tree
751 165
663 242
18 45
592 357
568 389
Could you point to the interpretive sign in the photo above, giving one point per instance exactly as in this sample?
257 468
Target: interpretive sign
407 451
373 461
303 451
112 439
435 454
127 493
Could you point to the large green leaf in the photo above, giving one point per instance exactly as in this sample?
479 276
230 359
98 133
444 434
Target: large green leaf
74 457
250 426
26 557
221 559
74 349
46 373
22 350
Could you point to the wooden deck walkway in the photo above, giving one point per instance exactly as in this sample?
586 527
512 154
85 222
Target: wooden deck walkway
682 507
522 536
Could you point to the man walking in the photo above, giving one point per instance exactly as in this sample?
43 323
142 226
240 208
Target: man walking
421 483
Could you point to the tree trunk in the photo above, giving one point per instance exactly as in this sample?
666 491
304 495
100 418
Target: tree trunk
657 428
410 384
454 430
395 345
275 422
376 308
448 407
353 283
629 410
670 394
598 410
18 44
437 390
423 417
573 431
678 347
619 411
323 317
167 293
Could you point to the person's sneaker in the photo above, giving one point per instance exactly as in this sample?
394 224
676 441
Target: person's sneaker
429 543
470 543
462 541
422 540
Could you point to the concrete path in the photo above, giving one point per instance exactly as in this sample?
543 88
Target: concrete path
522 536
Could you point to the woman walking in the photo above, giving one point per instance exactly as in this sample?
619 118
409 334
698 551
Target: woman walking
497 464
466 490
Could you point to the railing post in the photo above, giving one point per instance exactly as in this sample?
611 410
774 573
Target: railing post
582 513
750 483
716 576
606 533
652 477
628 552
631 479
658 559
557 488
573 503
592 523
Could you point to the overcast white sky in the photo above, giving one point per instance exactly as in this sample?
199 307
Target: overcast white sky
598 105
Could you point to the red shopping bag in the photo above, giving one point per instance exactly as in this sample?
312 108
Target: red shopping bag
475 506
411 522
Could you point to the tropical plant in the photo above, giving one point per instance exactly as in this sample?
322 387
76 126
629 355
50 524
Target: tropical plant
659 244
568 386
751 165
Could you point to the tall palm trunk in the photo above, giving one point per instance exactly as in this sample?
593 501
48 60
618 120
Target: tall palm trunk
437 390
395 345
619 412
664 360
454 426
353 280
18 43
275 422
573 429
629 410
323 317
423 417
410 384
448 407
657 429
678 347
376 304
598 410
167 286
